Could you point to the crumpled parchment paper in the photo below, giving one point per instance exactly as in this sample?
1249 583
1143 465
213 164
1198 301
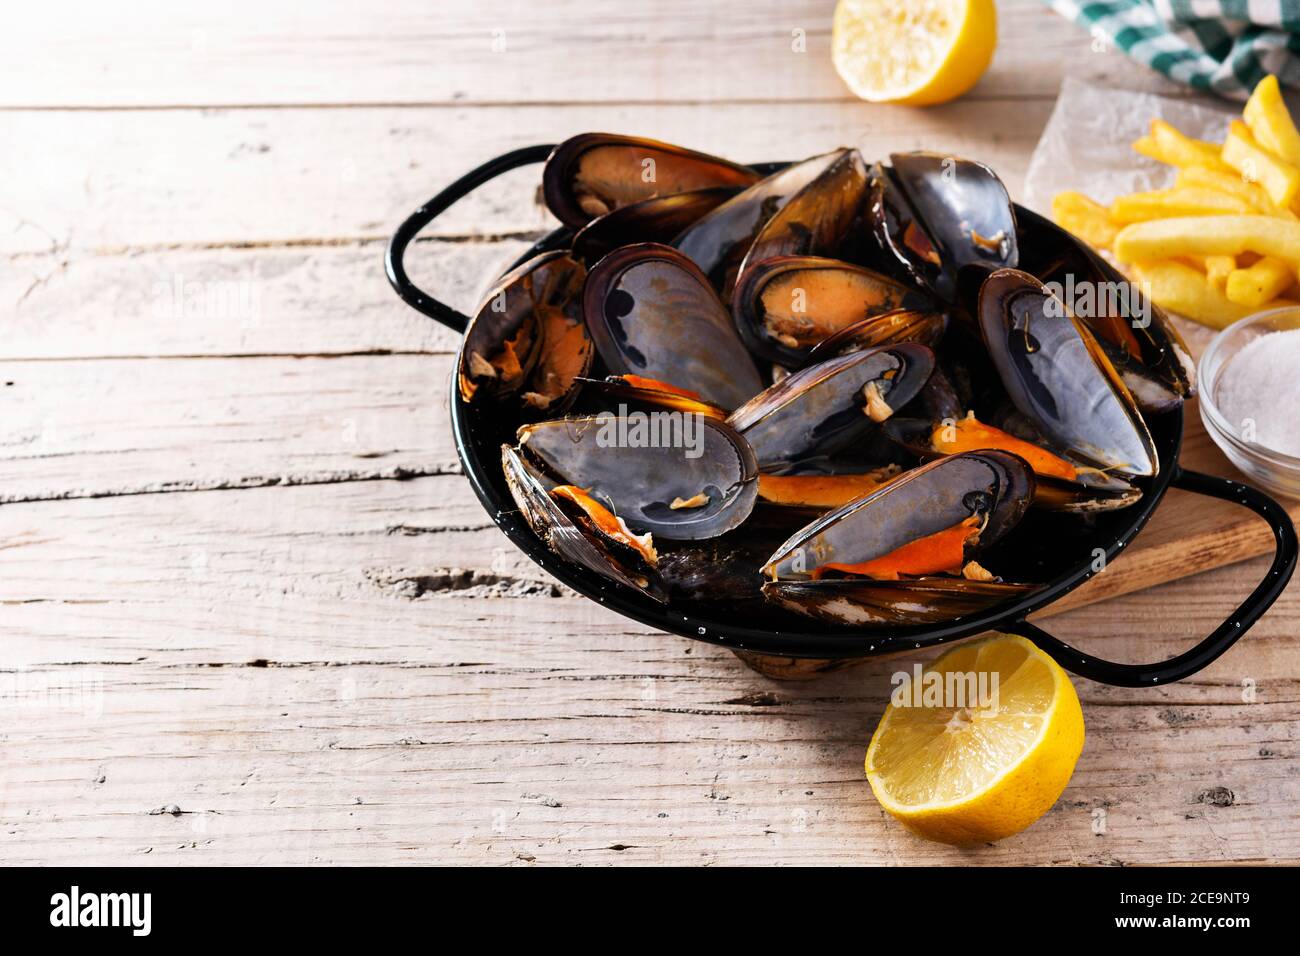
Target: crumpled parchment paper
1087 144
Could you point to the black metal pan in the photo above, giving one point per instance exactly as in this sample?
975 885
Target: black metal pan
1070 561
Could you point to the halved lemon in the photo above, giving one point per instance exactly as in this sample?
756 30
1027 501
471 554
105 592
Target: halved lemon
990 767
915 52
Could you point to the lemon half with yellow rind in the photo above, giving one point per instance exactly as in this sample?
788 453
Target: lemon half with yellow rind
914 52
973 774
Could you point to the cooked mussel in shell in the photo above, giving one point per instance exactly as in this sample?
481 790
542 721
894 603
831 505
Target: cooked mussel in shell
863 602
1060 379
717 243
528 341
678 476
580 529
787 305
934 519
806 419
819 220
592 174
901 325
651 220
1138 336
652 313
939 215
1062 484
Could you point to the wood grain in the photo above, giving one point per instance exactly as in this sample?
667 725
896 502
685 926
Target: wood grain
484 52
149 180
252 612
317 687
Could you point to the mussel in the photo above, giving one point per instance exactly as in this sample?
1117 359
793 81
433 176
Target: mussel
616 392
592 174
804 421
679 476
866 603
901 325
718 241
580 529
1137 335
1059 378
933 519
787 305
528 341
907 551
818 220
651 220
652 313
938 215
1061 484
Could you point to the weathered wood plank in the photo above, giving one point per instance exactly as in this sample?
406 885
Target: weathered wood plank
133 426
483 52
268 301
254 690
113 181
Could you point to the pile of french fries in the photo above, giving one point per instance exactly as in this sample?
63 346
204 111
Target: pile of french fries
1224 240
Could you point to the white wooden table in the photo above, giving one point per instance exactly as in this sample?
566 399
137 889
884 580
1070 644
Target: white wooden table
250 611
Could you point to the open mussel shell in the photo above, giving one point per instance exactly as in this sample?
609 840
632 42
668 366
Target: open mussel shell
1059 378
889 328
812 414
618 392
718 242
592 174
1088 492
581 543
818 220
991 486
678 476
652 313
651 220
787 305
939 214
867 603
1139 337
528 341
1152 394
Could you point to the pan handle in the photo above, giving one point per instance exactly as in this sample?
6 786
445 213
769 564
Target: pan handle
1226 634
412 294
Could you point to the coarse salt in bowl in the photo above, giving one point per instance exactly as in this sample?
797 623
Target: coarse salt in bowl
1250 397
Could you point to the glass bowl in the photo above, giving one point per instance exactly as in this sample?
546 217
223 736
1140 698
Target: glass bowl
1274 470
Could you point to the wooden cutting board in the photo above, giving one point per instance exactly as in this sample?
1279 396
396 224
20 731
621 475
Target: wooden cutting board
1188 533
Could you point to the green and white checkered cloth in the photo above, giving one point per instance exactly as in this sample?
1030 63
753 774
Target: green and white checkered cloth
1222 46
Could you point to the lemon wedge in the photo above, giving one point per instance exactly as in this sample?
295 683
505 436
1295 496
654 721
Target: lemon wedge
915 52
981 772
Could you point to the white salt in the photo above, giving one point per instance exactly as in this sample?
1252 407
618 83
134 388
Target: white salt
1259 392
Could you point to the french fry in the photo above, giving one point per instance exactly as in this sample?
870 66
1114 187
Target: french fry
1231 183
1167 145
1279 178
1208 236
1166 203
1264 281
1086 218
1218 268
1180 288
1270 121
